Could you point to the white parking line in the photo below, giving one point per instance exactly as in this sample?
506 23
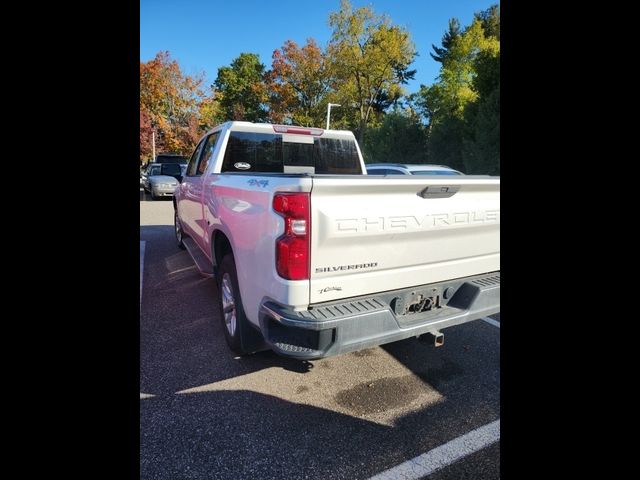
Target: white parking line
444 455
493 322
142 246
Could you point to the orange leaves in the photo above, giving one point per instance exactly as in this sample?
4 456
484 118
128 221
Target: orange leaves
299 82
169 104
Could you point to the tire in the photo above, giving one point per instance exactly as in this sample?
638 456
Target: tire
234 322
177 228
153 197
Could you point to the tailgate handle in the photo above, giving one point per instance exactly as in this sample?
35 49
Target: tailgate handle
439 191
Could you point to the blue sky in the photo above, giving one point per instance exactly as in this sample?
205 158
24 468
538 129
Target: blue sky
205 35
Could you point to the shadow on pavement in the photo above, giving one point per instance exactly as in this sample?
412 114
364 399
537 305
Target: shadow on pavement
244 434
182 343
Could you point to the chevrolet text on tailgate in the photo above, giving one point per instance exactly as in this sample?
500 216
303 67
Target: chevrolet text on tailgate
312 257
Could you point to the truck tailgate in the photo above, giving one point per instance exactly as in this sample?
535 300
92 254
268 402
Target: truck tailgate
372 234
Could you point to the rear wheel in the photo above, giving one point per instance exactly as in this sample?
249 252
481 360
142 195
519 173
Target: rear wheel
234 321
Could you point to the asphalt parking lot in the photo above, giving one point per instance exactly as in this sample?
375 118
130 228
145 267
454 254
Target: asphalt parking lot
206 414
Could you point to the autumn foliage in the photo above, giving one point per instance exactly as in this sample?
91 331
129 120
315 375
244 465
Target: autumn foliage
364 68
299 81
169 105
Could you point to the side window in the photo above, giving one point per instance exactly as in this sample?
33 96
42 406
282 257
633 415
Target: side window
377 171
191 169
209 147
393 171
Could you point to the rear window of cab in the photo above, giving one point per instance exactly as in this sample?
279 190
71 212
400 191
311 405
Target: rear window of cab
268 153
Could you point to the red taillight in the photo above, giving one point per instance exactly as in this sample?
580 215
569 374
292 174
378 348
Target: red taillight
292 248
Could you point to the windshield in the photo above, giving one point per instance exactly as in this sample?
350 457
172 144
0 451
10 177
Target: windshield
171 159
434 172
171 169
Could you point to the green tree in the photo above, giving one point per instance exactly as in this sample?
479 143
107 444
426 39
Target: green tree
458 135
487 78
481 152
481 144
481 148
428 102
400 138
240 89
371 57
210 112
446 142
459 69
490 20
447 41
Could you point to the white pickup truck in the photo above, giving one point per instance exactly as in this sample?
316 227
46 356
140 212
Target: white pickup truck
313 257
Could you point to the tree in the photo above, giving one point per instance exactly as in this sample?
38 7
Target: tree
146 133
447 41
481 145
168 104
371 57
400 139
299 82
428 102
458 71
242 90
446 142
469 72
481 149
490 20
210 112
487 68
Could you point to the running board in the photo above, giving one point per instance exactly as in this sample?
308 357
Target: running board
201 261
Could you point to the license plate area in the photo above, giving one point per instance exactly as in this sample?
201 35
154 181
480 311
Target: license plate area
418 301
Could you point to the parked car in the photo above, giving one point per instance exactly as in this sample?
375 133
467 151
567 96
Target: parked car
313 258
409 169
171 158
162 179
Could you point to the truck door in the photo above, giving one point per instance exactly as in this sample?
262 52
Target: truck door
198 190
188 198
